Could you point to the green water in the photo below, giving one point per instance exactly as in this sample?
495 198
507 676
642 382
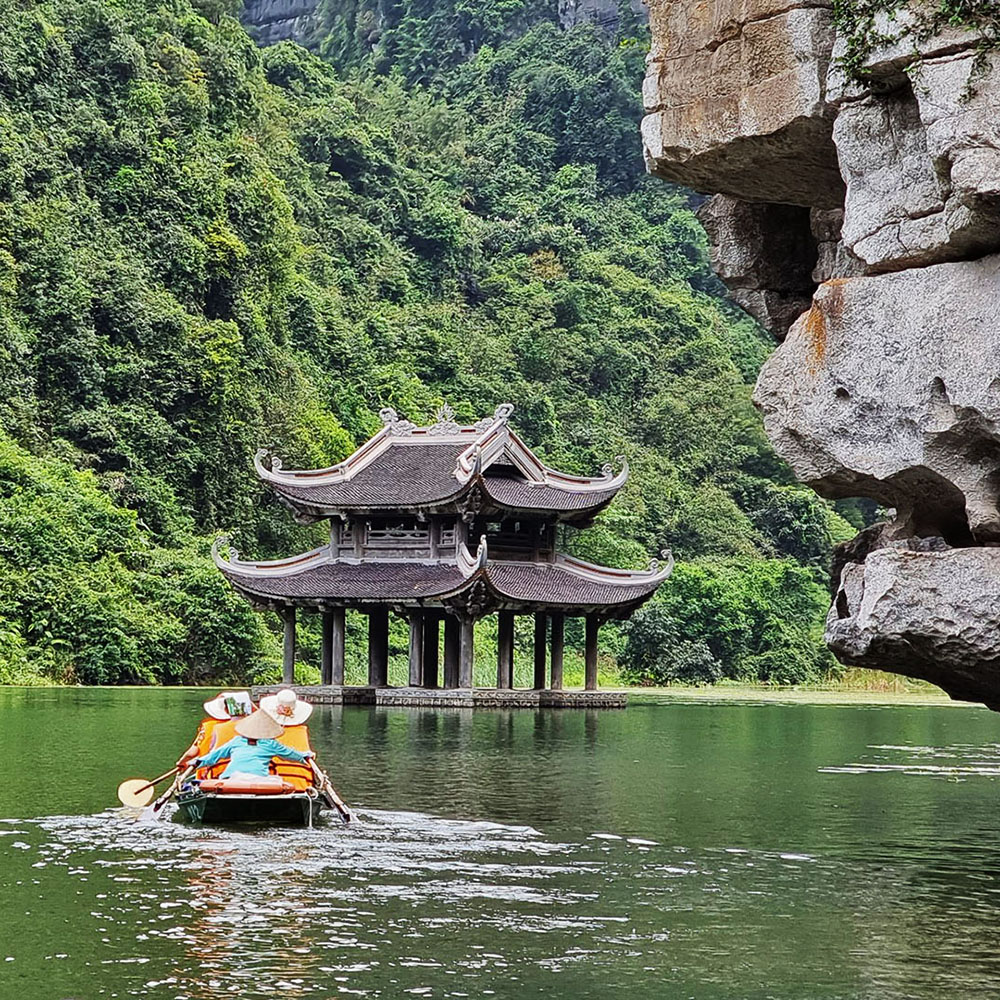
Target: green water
673 851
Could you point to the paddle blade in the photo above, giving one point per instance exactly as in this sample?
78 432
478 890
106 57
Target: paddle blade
129 793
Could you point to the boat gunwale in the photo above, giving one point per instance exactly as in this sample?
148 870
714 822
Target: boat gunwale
265 796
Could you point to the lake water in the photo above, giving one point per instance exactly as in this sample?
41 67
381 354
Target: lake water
669 851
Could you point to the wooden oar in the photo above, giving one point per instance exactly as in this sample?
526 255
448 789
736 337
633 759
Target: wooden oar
326 787
153 811
137 792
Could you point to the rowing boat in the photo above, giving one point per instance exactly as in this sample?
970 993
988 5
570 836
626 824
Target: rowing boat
243 800
293 793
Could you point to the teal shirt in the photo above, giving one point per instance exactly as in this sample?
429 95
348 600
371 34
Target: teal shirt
247 758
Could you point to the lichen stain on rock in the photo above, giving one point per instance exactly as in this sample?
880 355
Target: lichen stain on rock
827 308
815 331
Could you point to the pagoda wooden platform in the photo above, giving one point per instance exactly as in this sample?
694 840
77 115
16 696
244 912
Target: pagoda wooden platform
417 697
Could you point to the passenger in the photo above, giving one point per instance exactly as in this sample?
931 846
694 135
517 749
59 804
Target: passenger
250 752
224 707
229 705
286 707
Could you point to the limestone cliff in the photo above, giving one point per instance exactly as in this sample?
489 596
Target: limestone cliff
863 220
271 21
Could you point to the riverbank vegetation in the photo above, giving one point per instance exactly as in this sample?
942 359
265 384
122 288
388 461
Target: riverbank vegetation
206 247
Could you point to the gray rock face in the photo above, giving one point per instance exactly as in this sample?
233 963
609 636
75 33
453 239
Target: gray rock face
922 162
888 385
605 14
912 419
272 21
735 95
933 615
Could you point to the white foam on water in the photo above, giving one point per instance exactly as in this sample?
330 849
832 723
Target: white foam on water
956 761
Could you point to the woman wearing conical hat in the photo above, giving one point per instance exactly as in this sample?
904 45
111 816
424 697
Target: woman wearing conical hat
253 747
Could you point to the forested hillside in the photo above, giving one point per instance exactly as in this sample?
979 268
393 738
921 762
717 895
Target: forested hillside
206 247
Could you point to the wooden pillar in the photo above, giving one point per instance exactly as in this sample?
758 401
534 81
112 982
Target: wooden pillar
378 647
558 641
466 650
590 653
432 632
288 647
451 639
326 649
416 648
338 633
540 629
505 650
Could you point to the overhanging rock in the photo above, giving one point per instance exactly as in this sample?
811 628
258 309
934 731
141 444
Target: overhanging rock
889 388
934 615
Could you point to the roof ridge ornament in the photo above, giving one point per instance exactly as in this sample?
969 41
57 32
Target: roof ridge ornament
444 422
394 424
608 469
222 542
500 416
274 463
654 564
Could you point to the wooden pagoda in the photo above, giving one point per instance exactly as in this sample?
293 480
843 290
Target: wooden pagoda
446 523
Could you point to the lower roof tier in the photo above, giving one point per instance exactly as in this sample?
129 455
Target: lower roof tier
471 583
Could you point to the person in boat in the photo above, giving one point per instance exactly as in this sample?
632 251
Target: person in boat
286 708
224 707
252 749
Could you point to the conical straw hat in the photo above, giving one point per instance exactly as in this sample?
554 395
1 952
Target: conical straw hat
259 726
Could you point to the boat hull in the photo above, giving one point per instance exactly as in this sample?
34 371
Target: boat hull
296 809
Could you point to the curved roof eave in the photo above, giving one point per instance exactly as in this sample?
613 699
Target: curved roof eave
566 583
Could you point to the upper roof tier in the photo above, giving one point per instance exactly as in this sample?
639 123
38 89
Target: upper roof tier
483 467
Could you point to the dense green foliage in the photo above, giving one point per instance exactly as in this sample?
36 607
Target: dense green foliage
756 622
205 247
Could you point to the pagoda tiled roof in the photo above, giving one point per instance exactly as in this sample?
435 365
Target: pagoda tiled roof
516 494
440 467
318 578
404 475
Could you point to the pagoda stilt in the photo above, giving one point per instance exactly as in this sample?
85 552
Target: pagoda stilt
505 650
541 629
288 647
432 635
416 677
378 647
590 653
338 637
557 646
466 650
450 651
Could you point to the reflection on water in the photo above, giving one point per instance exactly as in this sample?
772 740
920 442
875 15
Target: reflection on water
678 851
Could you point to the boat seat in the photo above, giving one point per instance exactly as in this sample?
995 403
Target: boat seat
271 784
